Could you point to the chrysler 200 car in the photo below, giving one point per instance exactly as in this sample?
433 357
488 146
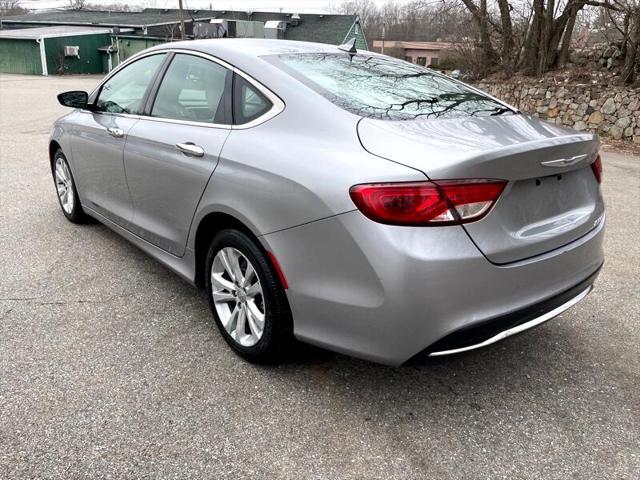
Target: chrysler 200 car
342 198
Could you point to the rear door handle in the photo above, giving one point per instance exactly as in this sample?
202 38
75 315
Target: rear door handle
190 149
115 132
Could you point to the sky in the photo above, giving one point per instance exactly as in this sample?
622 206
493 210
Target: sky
294 6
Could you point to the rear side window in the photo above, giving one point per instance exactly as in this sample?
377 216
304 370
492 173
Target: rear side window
248 102
386 88
192 90
123 93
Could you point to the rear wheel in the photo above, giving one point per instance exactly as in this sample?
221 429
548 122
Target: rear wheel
66 189
246 298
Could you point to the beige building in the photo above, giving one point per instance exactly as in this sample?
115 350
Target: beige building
422 53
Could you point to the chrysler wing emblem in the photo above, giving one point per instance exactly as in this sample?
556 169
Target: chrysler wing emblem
564 162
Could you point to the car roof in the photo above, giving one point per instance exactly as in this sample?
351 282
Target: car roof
251 47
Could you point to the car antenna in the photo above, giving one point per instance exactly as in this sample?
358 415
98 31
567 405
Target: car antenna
349 47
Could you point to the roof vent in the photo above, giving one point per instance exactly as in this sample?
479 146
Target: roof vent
275 29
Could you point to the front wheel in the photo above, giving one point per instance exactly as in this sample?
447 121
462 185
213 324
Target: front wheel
246 298
66 190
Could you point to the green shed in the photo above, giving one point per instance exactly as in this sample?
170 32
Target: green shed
128 45
53 50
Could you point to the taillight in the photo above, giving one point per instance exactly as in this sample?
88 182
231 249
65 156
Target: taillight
596 166
442 202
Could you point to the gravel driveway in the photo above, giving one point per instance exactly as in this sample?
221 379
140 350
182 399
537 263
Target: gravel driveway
110 366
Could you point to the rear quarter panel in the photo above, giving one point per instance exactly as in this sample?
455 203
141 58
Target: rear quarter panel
295 168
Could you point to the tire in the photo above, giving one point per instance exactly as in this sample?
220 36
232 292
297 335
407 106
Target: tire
66 190
276 339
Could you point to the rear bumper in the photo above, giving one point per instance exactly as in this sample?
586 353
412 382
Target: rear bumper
488 332
386 293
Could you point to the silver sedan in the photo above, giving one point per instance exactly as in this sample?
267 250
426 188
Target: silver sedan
342 198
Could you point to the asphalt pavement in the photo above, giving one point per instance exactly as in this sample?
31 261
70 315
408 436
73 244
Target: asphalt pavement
111 367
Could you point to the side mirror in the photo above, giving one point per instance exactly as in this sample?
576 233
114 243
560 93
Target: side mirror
74 99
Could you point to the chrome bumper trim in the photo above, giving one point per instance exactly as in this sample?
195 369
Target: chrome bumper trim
519 328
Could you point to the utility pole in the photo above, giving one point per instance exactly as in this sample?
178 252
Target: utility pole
181 19
383 35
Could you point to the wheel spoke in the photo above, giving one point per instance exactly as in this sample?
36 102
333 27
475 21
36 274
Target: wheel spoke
229 322
254 289
249 273
65 168
255 325
221 283
226 263
242 317
221 296
234 261
256 313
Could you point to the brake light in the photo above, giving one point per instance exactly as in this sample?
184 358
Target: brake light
443 202
596 166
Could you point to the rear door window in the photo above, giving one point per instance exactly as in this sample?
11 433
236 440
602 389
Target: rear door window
193 89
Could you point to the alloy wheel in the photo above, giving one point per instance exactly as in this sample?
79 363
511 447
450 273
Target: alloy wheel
237 296
64 185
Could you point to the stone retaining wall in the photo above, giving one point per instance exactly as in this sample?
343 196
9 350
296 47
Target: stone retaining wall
603 109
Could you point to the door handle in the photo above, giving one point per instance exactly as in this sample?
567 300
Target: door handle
115 132
190 149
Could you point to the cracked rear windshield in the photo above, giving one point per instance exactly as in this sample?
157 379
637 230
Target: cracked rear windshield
386 88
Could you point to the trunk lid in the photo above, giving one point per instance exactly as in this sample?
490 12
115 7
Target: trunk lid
552 197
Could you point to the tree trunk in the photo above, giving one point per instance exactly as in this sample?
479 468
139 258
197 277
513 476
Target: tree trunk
546 33
529 61
632 57
481 18
563 56
507 36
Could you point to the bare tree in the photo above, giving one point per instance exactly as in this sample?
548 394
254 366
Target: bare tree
77 4
481 18
530 36
624 16
507 35
11 7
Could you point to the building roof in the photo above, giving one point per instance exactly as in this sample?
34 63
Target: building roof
51 32
312 27
147 17
413 45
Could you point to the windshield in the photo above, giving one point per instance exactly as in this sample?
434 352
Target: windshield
386 88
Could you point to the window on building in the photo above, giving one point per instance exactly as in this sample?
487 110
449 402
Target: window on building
434 61
422 61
